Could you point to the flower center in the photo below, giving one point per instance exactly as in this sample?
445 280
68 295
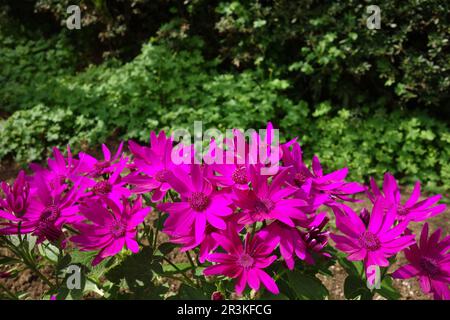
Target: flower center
429 265
198 201
369 241
50 213
46 225
300 178
102 187
264 205
118 229
246 260
161 176
402 211
239 175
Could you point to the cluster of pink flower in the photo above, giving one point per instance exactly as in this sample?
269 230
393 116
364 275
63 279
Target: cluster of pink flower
232 214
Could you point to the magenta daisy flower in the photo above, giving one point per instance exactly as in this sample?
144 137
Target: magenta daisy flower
16 201
96 168
112 226
412 209
429 260
48 210
269 201
314 182
152 170
200 204
244 262
375 243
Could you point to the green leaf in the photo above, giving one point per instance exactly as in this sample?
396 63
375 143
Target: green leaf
387 289
167 247
306 287
187 292
355 288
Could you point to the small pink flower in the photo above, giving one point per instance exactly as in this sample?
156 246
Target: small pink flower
200 204
429 260
244 262
412 209
112 226
374 243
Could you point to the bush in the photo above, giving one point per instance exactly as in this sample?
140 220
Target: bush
413 145
29 69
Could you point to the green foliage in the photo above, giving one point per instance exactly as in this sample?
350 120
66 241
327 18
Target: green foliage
29 134
410 144
29 69
361 98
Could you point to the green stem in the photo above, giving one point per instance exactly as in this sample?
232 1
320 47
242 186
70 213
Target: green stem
189 280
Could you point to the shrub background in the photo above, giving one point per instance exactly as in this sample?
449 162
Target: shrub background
373 100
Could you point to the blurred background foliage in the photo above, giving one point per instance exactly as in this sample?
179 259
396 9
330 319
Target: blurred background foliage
373 100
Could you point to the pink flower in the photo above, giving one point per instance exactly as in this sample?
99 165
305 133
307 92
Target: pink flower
48 210
112 226
96 168
200 204
16 201
290 241
61 171
269 201
412 209
113 187
245 262
153 166
374 243
315 183
429 260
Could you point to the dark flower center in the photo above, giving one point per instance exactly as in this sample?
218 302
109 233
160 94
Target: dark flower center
239 175
402 211
46 225
102 187
300 178
198 201
118 229
429 265
50 213
264 205
161 176
369 241
246 260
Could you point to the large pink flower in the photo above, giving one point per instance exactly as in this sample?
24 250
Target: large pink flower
374 243
200 204
429 260
112 226
245 262
412 209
